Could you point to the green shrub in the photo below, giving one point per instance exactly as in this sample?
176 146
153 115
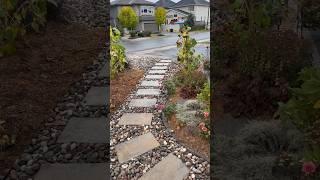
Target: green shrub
117 53
198 27
17 18
186 52
253 152
144 34
187 113
169 110
303 108
170 86
133 34
204 95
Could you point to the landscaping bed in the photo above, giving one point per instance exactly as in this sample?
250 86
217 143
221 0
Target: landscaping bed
188 106
122 86
185 134
36 78
267 92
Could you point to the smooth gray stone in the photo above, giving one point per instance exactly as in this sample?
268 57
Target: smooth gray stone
142 92
154 76
170 167
85 130
165 61
136 119
136 146
150 83
97 96
159 67
157 72
79 171
162 64
143 102
104 72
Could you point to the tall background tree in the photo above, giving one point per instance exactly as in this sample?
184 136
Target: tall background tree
128 18
160 15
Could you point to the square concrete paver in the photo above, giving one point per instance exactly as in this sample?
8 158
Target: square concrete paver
135 147
159 67
157 71
85 130
136 119
165 61
162 64
143 102
150 83
146 92
170 167
80 171
104 72
97 96
154 76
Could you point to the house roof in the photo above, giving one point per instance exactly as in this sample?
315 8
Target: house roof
165 3
192 2
179 10
130 2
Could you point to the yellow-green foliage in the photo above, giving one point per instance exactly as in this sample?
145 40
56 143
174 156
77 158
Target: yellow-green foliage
204 95
16 18
160 15
128 17
117 53
186 52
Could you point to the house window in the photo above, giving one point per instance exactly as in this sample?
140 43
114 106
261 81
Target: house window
175 15
145 11
191 8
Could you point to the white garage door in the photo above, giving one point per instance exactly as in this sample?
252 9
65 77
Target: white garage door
152 27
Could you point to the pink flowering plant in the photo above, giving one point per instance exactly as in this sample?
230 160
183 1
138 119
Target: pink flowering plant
311 162
204 126
309 168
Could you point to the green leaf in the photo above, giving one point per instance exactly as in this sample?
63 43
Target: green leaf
317 105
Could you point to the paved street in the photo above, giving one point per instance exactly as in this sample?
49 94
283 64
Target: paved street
161 41
166 45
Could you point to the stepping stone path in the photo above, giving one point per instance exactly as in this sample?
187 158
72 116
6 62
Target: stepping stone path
159 67
79 171
136 147
97 96
144 145
150 83
88 131
170 167
85 130
154 76
157 72
136 119
143 102
148 92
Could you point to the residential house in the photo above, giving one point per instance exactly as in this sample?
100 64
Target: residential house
167 4
175 19
144 9
199 8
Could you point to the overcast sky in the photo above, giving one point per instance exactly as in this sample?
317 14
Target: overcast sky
157 0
